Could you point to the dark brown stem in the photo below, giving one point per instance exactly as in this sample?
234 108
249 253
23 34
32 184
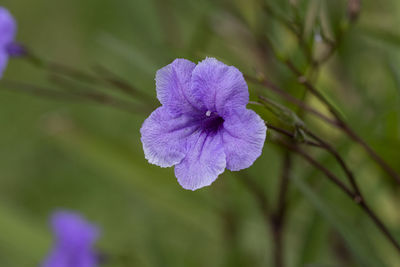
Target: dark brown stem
338 158
304 81
319 166
379 224
274 219
338 122
344 126
277 219
372 153
353 195
290 135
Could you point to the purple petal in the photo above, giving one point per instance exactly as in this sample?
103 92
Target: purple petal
74 239
71 229
3 62
218 87
8 27
243 136
205 160
173 86
164 136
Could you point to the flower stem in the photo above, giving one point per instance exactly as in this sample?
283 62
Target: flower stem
278 217
356 197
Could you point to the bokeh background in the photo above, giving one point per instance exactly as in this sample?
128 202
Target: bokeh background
87 157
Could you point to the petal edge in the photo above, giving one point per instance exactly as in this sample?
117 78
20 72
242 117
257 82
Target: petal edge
164 135
173 84
204 162
243 135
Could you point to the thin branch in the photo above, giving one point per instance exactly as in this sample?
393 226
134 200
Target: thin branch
288 97
14 86
338 158
103 78
284 185
290 135
338 122
354 196
304 81
120 83
344 126
277 219
296 29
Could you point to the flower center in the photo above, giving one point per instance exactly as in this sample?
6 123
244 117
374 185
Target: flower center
212 122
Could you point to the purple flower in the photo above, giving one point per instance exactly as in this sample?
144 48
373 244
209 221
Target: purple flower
203 125
74 239
8 30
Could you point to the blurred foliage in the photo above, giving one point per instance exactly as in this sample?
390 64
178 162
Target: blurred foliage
87 157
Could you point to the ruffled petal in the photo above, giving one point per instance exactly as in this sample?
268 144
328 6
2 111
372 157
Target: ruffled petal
173 84
164 136
8 27
3 62
205 160
218 87
243 136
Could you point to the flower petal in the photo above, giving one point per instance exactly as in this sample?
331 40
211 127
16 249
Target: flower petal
8 27
173 84
164 136
74 241
243 136
218 87
3 62
205 160
72 230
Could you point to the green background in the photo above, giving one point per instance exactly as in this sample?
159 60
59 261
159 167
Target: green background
87 157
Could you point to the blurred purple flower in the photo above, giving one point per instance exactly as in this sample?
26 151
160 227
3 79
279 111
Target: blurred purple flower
74 240
8 47
203 125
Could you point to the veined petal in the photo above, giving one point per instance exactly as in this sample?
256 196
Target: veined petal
173 84
243 136
8 27
205 160
164 136
3 62
218 87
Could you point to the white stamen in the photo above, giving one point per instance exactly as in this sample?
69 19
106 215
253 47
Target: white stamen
208 113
